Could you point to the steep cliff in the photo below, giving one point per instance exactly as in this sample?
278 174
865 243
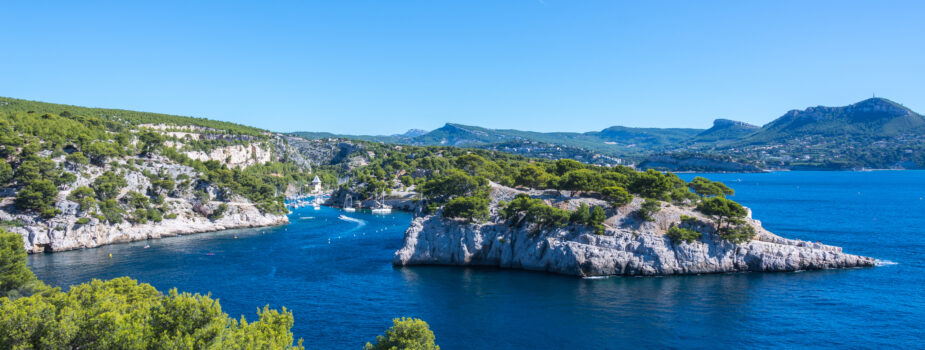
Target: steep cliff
629 245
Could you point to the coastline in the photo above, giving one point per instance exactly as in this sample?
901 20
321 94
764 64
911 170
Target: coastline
64 233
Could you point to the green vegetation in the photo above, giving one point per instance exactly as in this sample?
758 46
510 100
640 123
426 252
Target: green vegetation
469 208
38 196
593 218
121 314
724 210
405 333
34 133
616 196
124 314
678 234
706 188
524 209
729 215
219 212
649 207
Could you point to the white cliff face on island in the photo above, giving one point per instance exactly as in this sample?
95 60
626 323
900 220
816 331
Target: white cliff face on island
629 246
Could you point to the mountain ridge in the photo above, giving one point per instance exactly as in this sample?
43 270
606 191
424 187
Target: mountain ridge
819 133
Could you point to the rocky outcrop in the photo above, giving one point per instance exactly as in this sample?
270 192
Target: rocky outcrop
629 246
63 232
235 156
183 213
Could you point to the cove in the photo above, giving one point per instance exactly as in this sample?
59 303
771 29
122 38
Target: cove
337 278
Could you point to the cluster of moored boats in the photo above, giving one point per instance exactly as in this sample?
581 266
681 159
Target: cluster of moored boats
349 206
306 202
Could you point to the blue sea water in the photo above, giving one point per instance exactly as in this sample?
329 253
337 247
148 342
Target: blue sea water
336 277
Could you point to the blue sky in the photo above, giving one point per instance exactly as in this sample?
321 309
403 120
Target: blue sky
382 67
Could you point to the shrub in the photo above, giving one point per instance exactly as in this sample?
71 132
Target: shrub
532 176
650 184
83 221
405 333
108 185
706 188
678 234
738 234
6 173
76 158
724 210
202 196
581 180
617 196
535 211
219 212
111 211
38 196
454 183
65 178
469 208
13 271
649 207
170 216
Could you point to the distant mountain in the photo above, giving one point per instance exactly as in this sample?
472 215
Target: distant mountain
725 130
874 133
646 138
412 133
874 117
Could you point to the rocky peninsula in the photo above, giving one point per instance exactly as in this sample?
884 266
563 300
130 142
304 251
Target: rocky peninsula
629 245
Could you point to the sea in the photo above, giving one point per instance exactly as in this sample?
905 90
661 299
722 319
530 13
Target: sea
336 276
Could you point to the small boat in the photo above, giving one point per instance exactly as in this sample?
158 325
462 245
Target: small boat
381 208
147 246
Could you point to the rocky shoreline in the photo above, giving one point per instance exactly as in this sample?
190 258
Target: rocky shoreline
65 233
629 246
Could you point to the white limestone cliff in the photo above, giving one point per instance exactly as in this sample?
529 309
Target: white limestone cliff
629 246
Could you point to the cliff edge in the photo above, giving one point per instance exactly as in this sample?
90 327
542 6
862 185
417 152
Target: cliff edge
629 245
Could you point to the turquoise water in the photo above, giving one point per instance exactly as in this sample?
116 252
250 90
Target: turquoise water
337 278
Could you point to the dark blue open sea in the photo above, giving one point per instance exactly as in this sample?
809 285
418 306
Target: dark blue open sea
337 278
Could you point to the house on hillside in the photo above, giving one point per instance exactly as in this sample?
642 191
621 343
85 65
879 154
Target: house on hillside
316 185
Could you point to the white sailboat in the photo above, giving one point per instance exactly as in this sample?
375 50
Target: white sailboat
381 208
348 204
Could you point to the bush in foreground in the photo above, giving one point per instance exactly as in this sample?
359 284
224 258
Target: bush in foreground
406 333
121 314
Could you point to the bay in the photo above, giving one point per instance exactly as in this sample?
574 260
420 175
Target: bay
336 277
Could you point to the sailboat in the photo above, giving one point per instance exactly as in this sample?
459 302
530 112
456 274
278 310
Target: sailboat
348 204
381 208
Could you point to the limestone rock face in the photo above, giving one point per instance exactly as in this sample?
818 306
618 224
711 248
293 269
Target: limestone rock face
629 246
236 156
65 232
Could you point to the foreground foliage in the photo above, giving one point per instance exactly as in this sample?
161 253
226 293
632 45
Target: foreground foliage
121 314
406 333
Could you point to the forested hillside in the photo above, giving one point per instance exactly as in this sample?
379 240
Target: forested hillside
82 172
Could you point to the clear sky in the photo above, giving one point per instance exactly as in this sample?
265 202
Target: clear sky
381 67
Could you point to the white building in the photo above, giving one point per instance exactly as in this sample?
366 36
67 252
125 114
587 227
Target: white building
316 185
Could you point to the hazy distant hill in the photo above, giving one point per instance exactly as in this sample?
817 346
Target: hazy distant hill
613 141
875 117
874 133
725 130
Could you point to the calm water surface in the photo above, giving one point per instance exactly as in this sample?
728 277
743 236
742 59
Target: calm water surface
337 278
